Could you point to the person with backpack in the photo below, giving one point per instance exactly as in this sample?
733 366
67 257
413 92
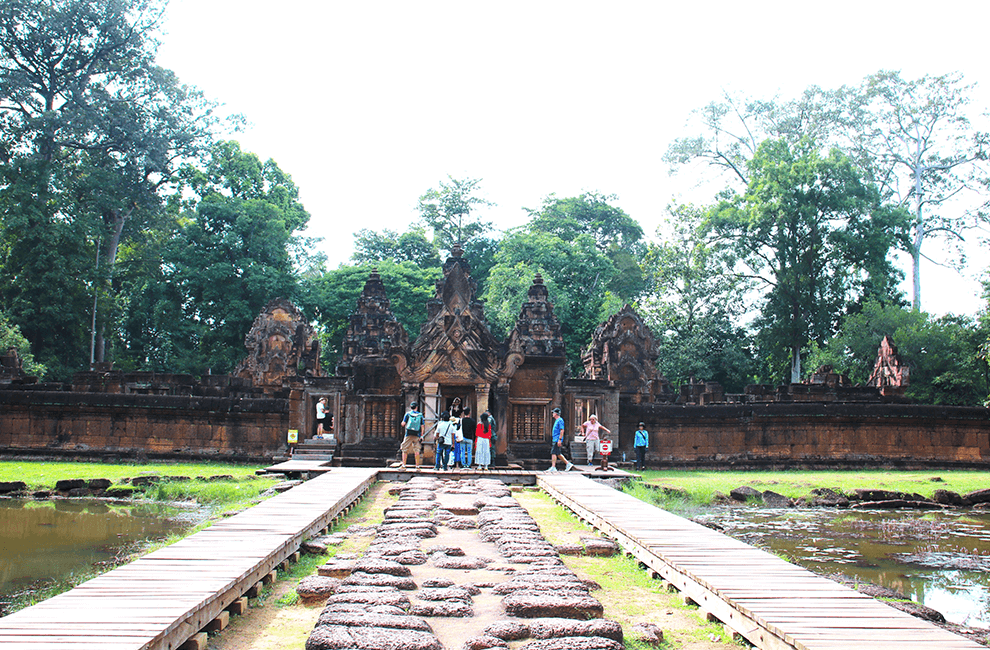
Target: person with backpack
412 423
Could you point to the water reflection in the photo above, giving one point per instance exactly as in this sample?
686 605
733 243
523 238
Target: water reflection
50 540
939 559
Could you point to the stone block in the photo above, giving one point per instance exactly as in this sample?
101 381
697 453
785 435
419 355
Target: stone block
239 606
196 642
219 623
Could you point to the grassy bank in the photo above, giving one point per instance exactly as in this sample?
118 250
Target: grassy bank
702 486
42 475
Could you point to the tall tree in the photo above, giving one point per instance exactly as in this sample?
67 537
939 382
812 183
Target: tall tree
451 211
615 233
731 130
916 140
100 126
798 230
229 256
693 301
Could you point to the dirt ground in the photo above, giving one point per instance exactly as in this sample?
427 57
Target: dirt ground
628 594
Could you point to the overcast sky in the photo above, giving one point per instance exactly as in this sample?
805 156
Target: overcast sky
369 104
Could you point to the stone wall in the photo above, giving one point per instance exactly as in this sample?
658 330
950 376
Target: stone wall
810 434
63 423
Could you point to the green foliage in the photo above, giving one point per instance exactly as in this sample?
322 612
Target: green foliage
942 353
229 256
450 210
576 273
694 302
46 265
703 485
371 247
211 493
813 234
983 352
331 297
616 234
44 475
11 337
91 131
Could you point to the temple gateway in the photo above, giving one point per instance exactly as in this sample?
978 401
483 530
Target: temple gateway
455 356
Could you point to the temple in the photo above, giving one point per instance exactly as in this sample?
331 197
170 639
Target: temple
455 356
252 414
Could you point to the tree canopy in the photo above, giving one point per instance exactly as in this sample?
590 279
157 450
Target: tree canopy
814 235
133 230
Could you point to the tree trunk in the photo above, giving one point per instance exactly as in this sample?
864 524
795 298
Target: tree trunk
118 219
796 365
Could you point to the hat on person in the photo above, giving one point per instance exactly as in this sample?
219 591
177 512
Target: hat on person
556 410
413 405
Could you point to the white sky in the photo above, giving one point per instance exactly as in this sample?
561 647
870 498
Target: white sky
367 104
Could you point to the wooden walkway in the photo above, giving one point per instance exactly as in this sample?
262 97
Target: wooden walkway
164 598
772 603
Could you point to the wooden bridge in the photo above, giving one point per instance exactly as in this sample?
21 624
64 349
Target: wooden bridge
164 599
772 603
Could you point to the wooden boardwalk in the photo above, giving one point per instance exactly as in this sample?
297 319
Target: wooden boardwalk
772 603
162 599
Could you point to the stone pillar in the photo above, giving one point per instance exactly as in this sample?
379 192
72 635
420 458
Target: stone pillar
431 401
501 414
481 396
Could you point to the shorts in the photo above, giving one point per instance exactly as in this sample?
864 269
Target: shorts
556 450
410 444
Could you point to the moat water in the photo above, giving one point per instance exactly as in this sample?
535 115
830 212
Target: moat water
49 541
939 559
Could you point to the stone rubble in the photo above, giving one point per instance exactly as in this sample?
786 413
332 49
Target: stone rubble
373 602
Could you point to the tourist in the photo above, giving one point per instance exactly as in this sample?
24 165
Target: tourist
557 445
412 423
321 415
483 434
640 443
592 438
445 440
468 426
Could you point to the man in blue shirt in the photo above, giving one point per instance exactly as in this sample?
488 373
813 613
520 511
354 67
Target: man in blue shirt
557 446
640 443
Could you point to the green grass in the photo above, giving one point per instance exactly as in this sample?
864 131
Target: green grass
702 485
227 494
41 475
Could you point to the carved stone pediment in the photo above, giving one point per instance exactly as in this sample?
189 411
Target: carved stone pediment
281 343
537 330
455 345
890 374
373 333
623 350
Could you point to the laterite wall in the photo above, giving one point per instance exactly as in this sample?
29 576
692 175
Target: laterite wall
65 423
811 434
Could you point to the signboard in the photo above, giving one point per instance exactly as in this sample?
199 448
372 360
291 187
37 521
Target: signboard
606 447
293 436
